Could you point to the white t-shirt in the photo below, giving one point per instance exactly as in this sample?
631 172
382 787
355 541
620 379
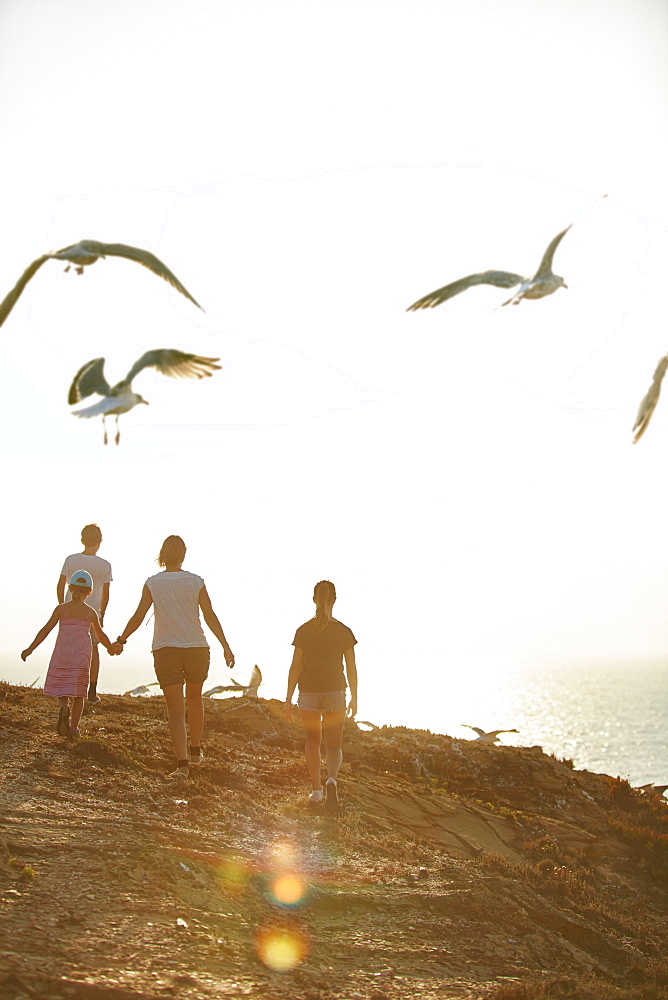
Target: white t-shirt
176 605
99 569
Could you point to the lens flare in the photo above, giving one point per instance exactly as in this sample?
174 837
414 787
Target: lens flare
234 874
281 948
288 890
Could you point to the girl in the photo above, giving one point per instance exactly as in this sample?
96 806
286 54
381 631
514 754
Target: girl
321 646
180 649
69 668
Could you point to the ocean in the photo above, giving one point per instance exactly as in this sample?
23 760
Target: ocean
609 717
606 717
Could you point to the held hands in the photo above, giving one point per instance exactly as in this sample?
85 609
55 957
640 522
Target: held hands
116 648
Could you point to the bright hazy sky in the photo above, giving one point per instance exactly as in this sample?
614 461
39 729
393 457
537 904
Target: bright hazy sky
308 169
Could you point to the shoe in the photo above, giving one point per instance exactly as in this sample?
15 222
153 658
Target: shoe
74 734
315 797
95 700
179 773
331 793
196 761
63 724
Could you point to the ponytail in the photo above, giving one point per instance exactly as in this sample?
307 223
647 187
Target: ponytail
324 595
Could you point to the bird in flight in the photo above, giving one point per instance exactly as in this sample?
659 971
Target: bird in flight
83 254
491 737
120 398
544 282
249 690
648 404
142 689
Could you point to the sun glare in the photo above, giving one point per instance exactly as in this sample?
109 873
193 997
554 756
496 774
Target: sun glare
280 948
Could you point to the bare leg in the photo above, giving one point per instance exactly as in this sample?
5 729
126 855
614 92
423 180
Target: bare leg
95 663
332 729
77 709
195 711
176 712
311 721
104 424
118 431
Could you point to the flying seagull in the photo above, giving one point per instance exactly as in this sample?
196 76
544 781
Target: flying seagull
249 690
544 282
648 405
142 689
120 398
491 737
652 789
87 252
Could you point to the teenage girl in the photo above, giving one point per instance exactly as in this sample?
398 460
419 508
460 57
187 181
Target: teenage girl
69 668
321 646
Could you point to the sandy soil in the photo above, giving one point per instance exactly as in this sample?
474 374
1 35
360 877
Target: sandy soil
451 868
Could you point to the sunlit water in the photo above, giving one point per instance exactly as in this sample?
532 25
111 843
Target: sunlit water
610 718
605 717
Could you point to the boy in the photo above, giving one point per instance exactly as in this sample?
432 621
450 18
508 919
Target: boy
100 571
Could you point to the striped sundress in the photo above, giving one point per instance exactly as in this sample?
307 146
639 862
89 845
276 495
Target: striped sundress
69 668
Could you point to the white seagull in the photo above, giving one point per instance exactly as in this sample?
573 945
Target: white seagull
84 253
249 690
142 689
648 405
120 398
491 737
544 282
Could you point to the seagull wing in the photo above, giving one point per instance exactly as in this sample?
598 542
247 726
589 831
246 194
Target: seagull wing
12 297
254 682
502 279
545 266
648 404
176 364
144 257
480 732
89 379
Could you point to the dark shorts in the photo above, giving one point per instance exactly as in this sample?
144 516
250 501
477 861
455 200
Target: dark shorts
322 701
176 665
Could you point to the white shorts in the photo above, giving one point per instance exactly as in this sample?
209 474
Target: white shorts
322 701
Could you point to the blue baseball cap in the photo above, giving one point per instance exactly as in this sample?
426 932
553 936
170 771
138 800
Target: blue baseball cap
81 579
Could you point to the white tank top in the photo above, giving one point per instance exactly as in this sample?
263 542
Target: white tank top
176 605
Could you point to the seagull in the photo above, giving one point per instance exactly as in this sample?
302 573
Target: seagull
249 690
87 252
648 405
652 789
142 689
120 398
544 282
491 737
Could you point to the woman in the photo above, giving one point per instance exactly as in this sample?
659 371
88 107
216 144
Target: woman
180 650
321 646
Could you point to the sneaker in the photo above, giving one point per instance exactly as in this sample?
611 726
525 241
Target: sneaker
63 724
93 699
196 761
316 796
331 793
180 772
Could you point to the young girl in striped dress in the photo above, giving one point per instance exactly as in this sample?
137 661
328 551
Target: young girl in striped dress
69 667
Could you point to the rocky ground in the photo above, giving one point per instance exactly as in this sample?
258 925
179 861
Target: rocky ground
451 869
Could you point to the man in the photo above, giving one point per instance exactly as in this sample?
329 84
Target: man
100 571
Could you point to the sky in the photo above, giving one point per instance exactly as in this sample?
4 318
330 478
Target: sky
465 475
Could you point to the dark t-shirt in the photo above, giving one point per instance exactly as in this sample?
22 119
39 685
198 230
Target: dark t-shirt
322 669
